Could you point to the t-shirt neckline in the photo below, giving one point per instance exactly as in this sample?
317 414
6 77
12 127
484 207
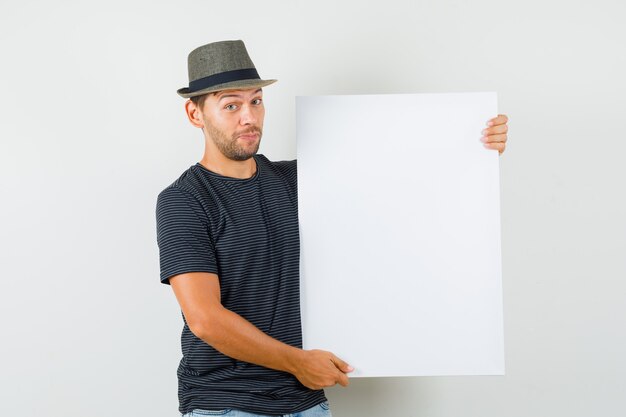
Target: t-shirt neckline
225 178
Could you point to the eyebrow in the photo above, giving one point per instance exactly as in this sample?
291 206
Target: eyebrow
237 95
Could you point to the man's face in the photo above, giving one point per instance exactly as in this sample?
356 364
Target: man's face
233 120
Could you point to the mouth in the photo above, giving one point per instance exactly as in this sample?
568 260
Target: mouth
249 136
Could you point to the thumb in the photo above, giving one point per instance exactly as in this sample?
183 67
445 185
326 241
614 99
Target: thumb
341 365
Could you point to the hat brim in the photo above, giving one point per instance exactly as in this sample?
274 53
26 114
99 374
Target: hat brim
233 85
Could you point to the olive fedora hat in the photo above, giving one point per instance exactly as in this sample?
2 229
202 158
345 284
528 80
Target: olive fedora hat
218 66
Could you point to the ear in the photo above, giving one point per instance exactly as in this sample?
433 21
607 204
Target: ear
194 114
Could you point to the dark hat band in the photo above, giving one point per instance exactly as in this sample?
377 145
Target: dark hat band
223 77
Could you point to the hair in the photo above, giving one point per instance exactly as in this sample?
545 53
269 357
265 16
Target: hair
199 100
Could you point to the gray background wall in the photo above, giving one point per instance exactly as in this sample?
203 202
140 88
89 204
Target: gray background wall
91 130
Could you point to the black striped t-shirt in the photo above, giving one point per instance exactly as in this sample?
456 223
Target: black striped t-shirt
246 232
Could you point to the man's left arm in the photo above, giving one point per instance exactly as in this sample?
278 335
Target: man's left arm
495 135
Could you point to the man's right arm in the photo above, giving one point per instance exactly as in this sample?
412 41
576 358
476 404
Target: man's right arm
198 294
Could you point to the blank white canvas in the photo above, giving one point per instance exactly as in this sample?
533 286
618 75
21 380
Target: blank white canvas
400 233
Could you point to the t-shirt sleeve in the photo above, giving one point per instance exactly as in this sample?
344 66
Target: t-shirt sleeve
182 235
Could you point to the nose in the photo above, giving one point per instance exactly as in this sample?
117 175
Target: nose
248 116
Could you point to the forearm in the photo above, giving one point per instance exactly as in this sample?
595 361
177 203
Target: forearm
234 336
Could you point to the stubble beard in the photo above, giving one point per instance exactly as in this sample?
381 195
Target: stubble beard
229 146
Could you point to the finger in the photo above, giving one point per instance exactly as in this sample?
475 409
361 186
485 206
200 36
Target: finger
495 130
499 146
499 120
493 138
342 379
341 365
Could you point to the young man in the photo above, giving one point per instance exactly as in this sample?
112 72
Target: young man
227 231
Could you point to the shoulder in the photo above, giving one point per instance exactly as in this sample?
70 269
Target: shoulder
285 168
182 192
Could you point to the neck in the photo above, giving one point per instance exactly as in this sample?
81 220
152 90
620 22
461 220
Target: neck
218 163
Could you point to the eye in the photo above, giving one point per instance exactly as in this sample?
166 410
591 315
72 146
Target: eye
257 101
231 107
